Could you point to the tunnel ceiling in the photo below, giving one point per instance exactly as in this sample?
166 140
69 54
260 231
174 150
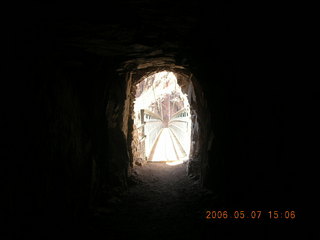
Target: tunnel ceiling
140 34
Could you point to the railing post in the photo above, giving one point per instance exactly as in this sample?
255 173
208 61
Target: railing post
142 116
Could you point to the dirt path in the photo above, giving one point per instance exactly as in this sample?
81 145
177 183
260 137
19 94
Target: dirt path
163 203
165 149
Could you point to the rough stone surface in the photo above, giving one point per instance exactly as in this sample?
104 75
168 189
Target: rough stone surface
68 71
159 195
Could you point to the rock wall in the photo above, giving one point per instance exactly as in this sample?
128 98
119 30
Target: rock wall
69 102
70 126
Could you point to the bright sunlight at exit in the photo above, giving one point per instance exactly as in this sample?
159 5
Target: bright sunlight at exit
162 119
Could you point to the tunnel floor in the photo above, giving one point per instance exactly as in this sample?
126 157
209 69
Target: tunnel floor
161 203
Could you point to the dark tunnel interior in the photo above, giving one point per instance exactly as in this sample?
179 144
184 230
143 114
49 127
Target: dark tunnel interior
75 169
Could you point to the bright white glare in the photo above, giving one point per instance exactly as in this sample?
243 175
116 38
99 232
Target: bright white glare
173 142
174 163
165 150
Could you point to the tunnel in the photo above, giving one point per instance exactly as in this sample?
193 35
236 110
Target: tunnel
91 157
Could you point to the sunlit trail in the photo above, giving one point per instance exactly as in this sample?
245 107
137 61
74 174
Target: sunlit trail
164 149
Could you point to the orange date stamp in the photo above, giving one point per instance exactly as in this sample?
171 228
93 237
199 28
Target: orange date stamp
255 214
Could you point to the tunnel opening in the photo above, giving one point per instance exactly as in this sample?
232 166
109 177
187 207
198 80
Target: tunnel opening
166 118
161 119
